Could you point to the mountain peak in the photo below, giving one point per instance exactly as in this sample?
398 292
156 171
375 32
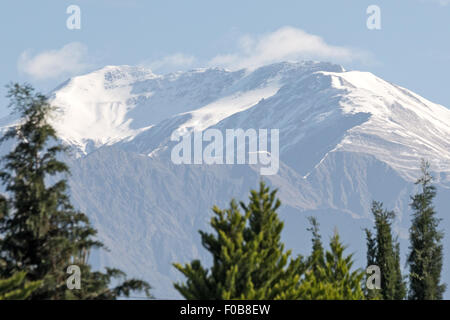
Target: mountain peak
117 103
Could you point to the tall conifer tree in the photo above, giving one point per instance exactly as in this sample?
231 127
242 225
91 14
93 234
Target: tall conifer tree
41 233
371 294
383 251
426 250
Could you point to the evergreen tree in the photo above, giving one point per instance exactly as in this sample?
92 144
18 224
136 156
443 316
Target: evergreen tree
401 288
383 251
316 259
16 287
371 248
330 276
249 260
40 231
371 294
425 257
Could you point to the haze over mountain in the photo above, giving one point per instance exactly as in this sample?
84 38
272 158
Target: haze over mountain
346 138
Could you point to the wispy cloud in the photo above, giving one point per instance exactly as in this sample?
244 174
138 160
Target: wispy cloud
69 60
174 62
252 51
284 44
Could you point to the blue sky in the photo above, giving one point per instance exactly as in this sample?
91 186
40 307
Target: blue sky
411 49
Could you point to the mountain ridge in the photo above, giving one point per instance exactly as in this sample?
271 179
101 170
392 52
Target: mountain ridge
360 92
346 138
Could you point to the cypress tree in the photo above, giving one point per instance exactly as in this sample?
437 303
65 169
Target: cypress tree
425 258
371 294
249 260
40 231
401 288
383 251
371 248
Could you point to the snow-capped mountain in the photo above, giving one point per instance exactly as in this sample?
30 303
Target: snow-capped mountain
346 138
117 104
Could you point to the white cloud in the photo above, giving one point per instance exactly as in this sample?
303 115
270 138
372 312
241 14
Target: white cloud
71 59
284 44
174 62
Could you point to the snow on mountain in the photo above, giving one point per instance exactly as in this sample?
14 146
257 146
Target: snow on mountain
94 108
406 126
117 103
357 112
346 138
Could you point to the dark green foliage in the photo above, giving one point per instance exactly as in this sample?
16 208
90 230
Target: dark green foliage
383 251
371 294
317 258
249 261
96 285
371 248
426 251
41 233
